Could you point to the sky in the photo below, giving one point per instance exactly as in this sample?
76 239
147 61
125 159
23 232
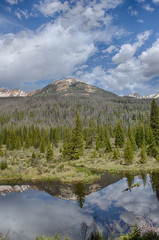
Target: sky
113 45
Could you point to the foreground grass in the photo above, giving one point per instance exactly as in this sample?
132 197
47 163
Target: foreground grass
21 166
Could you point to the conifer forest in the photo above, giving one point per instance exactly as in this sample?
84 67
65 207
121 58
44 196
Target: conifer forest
47 134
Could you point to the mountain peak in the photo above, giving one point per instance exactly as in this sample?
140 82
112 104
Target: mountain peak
68 81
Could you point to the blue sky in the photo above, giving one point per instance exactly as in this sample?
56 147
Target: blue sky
110 44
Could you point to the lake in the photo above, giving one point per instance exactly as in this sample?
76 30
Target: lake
33 209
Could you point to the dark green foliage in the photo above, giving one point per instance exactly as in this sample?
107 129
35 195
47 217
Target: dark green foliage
136 235
128 152
132 139
33 155
108 146
73 147
91 132
140 135
152 149
49 153
3 165
143 154
116 154
0 142
27 142
42 146
119 136
67 145
154 120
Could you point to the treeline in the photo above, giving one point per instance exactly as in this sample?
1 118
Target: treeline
100 138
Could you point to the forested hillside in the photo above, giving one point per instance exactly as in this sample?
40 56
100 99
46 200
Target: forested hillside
50 130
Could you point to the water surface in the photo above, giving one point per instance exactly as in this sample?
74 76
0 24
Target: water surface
50 208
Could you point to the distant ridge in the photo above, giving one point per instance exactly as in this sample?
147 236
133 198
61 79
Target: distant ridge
15 93
138 96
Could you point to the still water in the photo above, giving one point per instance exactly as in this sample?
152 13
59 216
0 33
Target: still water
32 210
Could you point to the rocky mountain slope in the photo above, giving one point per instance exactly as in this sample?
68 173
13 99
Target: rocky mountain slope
15 93
73 87
138 96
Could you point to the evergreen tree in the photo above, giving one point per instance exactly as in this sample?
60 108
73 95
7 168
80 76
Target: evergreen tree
77 139
108 146
27 142
132 139
0 142
154 120
42 146
119 135
90 133
143 154
128 152
49 153
140 135
67 148
116 153
18 143
152 149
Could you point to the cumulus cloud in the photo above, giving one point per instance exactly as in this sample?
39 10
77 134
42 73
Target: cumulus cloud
50 52
132 72
56 49
126 52
150 61
50 7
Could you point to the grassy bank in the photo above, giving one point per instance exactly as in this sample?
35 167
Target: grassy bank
22 165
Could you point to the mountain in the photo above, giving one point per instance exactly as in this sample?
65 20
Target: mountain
73 87
138 96
14 93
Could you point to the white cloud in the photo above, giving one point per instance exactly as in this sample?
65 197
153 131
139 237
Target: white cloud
22 13
134 13
110 49
148 8
50 7
150 61
132 72
50 53
126 52
140 20
155 1
12 1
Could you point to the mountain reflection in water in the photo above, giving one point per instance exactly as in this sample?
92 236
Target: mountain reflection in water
52 207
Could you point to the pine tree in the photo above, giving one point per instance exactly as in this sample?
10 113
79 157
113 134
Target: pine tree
140 135
128 152
18 143
108 146
49 153
154 120
42 146
77 139
0 142
67 148
90 133
152 149
132 139
116 153
27 142
143 154
119 135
